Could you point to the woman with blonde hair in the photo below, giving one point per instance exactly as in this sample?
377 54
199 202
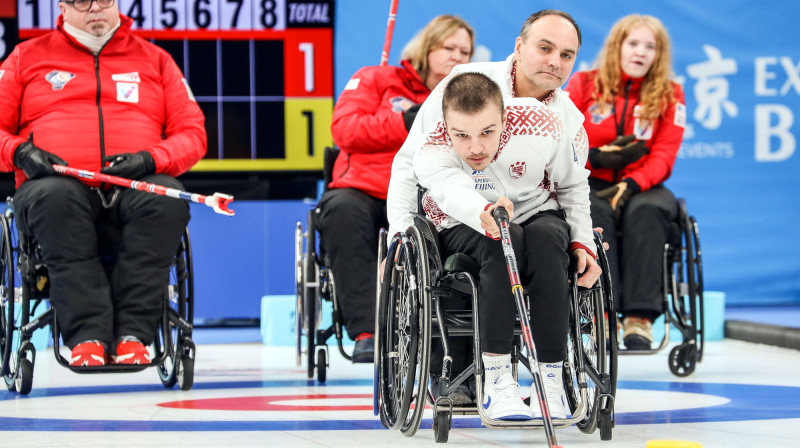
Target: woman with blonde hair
371 120
635 118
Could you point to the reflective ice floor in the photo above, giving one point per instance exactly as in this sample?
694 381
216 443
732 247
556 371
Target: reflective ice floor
248 394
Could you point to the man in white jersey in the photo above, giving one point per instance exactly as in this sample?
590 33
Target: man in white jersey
544 54
482 155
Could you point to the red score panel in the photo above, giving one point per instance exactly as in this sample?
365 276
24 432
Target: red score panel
308 62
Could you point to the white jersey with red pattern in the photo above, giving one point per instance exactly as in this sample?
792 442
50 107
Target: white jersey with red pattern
402 194
536 168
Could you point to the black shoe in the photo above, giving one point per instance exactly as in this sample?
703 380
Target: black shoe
364 350
460 397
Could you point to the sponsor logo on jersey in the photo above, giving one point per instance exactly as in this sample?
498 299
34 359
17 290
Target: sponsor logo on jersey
128 92
680 115
126 77
482 181
643 129
58 78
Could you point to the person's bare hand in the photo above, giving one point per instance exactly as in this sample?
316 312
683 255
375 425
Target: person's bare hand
600 231
588 269
488 224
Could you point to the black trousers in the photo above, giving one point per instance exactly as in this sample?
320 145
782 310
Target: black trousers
63 215
541 244
349 221
636 246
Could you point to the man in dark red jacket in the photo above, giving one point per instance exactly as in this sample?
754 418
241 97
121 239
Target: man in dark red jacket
92 95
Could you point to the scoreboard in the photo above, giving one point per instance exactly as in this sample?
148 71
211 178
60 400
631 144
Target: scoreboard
261 70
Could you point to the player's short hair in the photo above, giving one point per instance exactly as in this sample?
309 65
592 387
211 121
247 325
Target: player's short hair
470 92
523 33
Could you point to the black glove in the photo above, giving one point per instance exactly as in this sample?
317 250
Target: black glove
622 140
35 161
617 160
130 165
619 195
410 114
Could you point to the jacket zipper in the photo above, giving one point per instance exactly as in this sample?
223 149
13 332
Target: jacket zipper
100 110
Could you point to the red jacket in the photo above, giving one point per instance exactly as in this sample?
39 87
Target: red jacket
131 97
663 136
368 125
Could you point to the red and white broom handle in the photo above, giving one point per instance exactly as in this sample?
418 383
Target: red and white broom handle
218 201
387 43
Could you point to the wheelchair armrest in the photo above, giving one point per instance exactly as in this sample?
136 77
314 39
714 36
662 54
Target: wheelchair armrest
328 160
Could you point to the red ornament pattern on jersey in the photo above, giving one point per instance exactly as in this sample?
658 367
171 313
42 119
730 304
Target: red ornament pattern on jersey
538 120
581 144
432 210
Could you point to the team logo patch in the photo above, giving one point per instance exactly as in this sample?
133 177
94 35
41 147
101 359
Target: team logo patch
400 103
599 112
128 92
517 170
680 115
643 129
482 181
59 78
126 77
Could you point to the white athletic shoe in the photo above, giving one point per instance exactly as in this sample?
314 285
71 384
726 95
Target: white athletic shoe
502 401
553 390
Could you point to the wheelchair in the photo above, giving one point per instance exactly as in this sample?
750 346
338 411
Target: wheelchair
682 269
411 314
314 283
24 287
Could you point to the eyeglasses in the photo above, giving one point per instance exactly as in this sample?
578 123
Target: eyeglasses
85 5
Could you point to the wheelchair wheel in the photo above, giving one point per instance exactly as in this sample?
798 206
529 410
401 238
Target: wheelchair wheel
441 426
590 360
174 338
684 279
9 319
311 299
185 372
299 287
322 365
696 264
404 334
683 359
23 380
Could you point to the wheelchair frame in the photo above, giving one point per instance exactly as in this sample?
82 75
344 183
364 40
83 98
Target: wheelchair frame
682 269
314 282
409 308
25 286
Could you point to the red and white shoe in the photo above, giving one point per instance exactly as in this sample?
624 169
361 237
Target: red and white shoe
88 353
131 351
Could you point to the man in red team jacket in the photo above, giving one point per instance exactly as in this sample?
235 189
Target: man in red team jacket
93 96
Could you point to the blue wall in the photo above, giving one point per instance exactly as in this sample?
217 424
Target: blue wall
741 181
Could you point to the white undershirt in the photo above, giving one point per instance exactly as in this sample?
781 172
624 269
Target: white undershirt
89 40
